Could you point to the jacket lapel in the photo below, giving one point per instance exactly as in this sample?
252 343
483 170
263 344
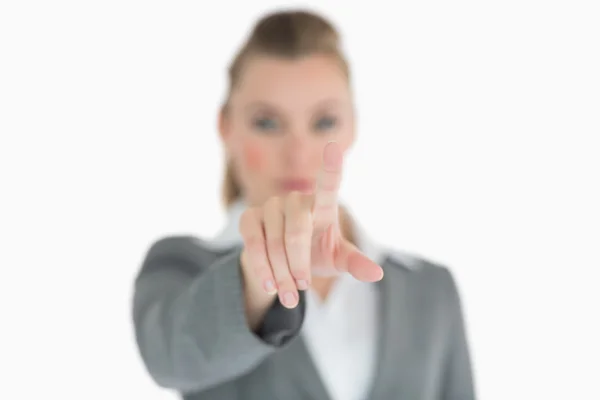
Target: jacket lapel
393 349
295 367
392 374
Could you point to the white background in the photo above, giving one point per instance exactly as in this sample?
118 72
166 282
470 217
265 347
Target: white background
478 147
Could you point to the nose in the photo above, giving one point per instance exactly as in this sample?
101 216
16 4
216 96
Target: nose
297 150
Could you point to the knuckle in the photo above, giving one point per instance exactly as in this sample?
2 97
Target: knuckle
254 243
325 207
284 283
308 202
299 217
306 219
300 273
275 244
261 270
297 237
294 198
297 202
272 203
247 220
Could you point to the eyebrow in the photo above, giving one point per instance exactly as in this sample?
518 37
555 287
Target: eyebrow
323 104
318 106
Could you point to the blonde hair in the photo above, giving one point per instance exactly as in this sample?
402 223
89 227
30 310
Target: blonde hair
291 35
286 34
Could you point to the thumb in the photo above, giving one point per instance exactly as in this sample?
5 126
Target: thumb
350 259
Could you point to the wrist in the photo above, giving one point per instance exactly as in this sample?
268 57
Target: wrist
257 300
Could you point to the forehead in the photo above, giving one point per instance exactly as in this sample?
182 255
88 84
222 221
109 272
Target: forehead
292 82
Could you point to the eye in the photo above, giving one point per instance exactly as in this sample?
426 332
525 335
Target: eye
266 124
325 123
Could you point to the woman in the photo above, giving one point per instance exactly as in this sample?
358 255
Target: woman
292 301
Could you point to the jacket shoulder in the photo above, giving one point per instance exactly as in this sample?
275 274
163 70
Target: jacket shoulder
413 262
421 269
185 247
428 275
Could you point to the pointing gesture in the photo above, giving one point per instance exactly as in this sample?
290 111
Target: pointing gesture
289 239
331 251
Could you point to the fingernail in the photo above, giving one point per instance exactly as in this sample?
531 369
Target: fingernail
270 287
289 299
302 284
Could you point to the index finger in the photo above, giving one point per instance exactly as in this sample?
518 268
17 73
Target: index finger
328 183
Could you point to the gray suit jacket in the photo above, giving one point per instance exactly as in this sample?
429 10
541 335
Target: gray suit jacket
192 335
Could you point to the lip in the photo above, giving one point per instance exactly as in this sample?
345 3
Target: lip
297 184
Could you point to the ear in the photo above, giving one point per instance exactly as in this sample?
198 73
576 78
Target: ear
223 123
224 126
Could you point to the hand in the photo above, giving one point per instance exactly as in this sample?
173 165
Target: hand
291 238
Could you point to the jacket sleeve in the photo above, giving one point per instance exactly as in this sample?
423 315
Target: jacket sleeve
458 375
190 322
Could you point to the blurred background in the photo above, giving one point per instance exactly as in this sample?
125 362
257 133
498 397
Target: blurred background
478 147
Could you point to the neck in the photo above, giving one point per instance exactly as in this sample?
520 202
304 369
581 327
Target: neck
322 286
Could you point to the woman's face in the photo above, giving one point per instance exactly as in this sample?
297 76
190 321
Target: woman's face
280 117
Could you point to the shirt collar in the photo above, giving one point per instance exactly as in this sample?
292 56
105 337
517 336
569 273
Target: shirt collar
230 236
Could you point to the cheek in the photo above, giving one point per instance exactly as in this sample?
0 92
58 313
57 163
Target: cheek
253 157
